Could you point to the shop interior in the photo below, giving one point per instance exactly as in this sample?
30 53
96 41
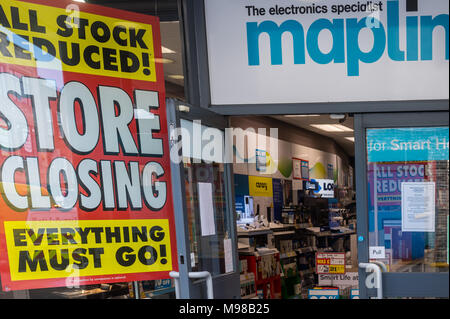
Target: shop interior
293 217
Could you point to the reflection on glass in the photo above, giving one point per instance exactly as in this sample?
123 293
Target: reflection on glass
207 247
209 227
408 183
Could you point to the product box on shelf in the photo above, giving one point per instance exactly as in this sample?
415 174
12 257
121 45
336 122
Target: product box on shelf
266 269
248 285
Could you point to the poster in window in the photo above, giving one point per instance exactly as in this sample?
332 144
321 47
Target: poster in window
85 168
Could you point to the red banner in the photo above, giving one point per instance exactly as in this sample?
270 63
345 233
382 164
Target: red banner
84 163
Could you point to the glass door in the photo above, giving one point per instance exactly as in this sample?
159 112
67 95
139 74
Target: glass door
206 224
403 198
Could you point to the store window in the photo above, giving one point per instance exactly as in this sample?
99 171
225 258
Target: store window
75 148
295 208
209 226
408 171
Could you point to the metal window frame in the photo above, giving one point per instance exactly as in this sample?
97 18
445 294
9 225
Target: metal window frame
223 286
394 284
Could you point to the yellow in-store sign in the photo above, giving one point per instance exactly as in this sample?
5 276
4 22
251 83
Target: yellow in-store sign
338 269
260 186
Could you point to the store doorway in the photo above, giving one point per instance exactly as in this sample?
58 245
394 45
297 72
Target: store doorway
295 206
203 204
402 167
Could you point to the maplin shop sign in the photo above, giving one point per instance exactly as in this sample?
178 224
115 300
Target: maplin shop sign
348 51
327 51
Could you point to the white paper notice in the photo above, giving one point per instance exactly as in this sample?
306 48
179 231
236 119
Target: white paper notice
297 170
418 207
377 252
228 252
205 201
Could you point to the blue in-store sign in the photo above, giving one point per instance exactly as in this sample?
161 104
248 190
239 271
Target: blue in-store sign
261 160
407 144
311 185
354 294
323 293
163 283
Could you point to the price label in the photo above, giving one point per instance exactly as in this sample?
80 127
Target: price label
330 263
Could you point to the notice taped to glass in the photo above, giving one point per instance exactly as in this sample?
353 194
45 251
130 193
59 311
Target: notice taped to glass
418 206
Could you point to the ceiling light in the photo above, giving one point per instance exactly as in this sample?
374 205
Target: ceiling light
184 108
166 50
352 139
302 115
332 127
337 116
163 60
176 76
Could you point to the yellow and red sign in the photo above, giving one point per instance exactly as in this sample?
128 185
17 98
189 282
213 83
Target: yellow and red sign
84 157
330 263
78 38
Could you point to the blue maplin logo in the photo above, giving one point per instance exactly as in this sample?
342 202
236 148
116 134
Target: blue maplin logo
417 27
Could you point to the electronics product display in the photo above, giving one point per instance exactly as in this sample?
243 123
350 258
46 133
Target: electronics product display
314 225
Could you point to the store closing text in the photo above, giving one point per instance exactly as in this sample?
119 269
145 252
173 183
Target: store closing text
115 184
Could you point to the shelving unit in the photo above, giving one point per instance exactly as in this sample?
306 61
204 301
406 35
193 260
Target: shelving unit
286 240
255 232
290 281
158 293
328 239
269 283
248 285
297 244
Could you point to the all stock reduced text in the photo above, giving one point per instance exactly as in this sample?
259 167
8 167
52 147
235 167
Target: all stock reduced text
75 40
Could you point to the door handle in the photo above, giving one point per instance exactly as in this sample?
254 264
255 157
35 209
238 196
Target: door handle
176 275
194 275
376 268
380 264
